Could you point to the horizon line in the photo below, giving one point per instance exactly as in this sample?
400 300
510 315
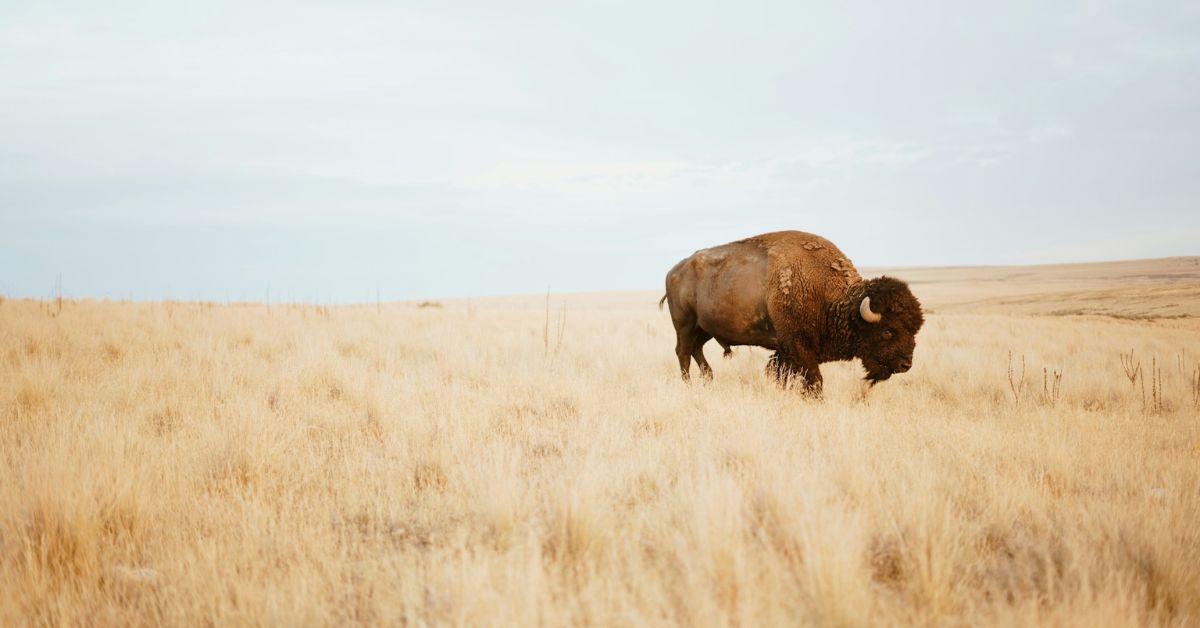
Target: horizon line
549 292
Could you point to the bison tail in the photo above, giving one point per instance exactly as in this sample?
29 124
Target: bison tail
661 301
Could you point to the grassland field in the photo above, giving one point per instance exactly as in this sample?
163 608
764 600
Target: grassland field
537 461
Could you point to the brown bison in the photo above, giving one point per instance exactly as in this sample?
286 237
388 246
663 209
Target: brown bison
797 294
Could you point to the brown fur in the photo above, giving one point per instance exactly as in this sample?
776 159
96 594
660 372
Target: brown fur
795 293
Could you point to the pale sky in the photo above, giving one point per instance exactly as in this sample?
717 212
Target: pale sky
208 150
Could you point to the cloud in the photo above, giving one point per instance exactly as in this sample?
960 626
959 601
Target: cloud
943 133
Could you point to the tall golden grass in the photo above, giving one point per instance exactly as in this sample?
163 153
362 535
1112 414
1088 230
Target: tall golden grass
199 464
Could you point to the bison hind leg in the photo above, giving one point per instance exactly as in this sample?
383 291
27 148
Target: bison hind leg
683 351
699 339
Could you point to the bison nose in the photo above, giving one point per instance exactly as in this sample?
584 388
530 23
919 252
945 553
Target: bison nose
903 366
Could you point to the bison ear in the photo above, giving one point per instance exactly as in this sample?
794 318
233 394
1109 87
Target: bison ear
864 310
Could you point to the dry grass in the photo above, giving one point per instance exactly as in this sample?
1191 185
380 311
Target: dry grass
195 464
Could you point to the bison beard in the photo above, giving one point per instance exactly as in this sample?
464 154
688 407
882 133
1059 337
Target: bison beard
876 372
796 294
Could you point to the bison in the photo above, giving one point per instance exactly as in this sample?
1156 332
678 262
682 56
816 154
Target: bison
796 294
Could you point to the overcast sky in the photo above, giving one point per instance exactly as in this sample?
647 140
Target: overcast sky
157 149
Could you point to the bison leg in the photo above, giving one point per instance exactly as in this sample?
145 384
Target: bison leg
683 350
781 367
685 331
698 353
775 368
813 381
797 362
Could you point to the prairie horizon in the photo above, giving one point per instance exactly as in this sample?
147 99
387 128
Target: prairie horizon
1152 288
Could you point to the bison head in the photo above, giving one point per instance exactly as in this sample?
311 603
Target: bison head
885 326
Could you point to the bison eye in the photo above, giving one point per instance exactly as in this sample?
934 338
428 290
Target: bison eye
887 334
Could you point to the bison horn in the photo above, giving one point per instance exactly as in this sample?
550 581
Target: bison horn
864 309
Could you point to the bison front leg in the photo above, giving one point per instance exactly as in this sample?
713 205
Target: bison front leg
797 362
813 382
